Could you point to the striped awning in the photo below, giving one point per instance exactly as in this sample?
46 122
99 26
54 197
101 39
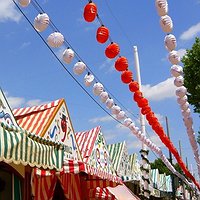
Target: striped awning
101 193
19 146
35 119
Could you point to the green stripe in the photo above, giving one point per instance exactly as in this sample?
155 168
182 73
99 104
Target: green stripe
5 143
12 145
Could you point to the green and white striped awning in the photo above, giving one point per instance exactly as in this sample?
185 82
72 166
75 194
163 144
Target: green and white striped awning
19 146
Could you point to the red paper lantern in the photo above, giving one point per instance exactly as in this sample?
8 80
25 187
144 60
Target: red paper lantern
149 116
153 121
127 76
137 95
102 34
121 64
133 86
145 110
142 102
112 50
90 12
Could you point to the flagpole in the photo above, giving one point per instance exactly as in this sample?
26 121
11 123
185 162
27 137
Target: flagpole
144 152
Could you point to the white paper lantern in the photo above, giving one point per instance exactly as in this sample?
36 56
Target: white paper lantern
133 128
24 3
55 39
173 57
109 103
162 7
79 68
98 89
184 106
170 42
41 22
182 100
176 70
186 113
120 115
115 110
188 122
127 121
88 79
181 91
179 81
68 55
103 96
166 24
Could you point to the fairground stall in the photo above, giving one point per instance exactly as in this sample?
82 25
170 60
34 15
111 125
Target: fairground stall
95 153
121 162
20 151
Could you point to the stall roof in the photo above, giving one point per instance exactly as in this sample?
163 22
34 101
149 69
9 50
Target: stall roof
50 121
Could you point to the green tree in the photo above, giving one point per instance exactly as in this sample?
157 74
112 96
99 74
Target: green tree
191 62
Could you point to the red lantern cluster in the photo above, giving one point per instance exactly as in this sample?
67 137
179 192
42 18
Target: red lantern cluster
90 12
102 34
121 64
112 50
127 76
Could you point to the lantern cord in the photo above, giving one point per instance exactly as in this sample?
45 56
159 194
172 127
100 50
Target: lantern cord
63 66
37 6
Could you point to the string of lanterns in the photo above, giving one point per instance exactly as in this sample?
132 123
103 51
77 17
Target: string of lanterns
55 40
177 72
113 50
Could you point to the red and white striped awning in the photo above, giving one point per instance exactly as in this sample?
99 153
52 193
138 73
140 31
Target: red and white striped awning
101 193
29 117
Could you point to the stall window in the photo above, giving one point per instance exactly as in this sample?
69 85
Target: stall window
10 185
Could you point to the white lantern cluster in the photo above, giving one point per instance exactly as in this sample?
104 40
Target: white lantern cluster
55 39
41 22
177 72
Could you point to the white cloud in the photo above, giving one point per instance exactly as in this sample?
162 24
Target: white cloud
35 102
101 119
181 52
108 64
25 44
8 11
191 32
161 91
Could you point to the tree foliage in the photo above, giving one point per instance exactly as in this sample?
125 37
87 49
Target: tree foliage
191 62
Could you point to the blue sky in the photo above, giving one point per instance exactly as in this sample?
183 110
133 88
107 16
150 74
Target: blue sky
30 75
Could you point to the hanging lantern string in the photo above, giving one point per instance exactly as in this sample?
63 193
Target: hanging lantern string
65 67
78 57
176 70
90 12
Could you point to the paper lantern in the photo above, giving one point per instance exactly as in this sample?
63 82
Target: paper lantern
90 12
137 95
162 7
174 58
41 22
142 102
55 39
112 50
181 91
176 70
133 86
127 122
120 115
102 34
188 122
166 23
115 109
88 79
170 42
132 127
121 64
24 3
179 81
104 96
186 113
145 110
79 68
98 89
127 76
182 100
184 106
68 55
109 103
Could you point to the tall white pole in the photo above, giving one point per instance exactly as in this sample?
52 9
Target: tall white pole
144 152
137 67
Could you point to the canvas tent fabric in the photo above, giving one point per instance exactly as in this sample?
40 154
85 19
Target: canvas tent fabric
18 146
135 167
120 159
95 154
